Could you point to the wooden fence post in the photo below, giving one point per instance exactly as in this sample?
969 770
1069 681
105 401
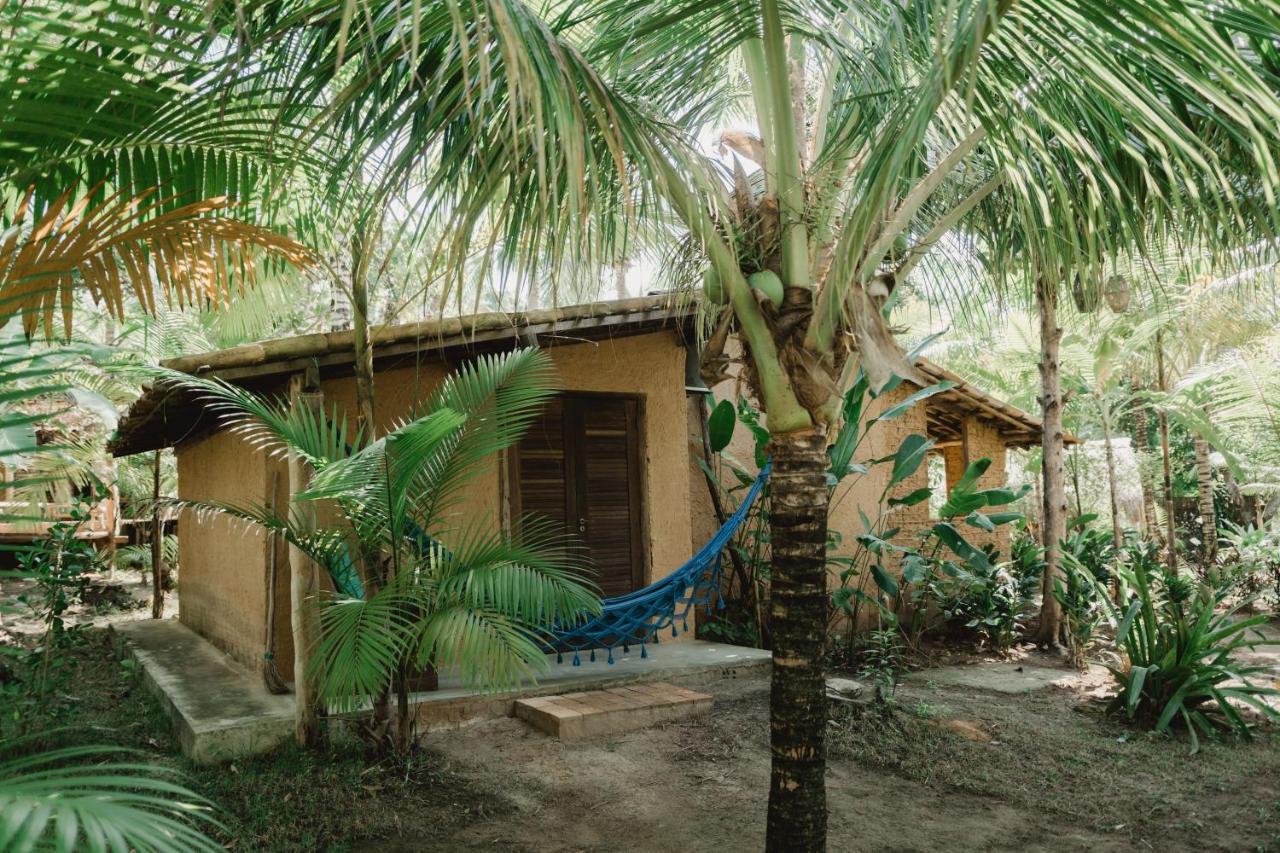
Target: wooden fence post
157 542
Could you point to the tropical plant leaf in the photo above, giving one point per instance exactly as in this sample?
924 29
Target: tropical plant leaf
908 458
86 798
125 243
720 425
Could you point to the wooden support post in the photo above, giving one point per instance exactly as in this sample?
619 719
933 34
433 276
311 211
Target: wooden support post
304 578
157 542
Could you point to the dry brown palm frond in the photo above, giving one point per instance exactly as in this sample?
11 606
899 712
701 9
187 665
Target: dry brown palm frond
194 254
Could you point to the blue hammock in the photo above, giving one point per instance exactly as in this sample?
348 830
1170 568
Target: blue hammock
626 620
637 617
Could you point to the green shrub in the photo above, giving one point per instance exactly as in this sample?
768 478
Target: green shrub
1026 558
1183 647
1251 558
1092 548
1082 597
984 598
59 564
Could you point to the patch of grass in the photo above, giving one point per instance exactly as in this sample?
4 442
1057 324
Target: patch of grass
288 800
298 800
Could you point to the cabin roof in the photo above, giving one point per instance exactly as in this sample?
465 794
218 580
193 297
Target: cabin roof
165 416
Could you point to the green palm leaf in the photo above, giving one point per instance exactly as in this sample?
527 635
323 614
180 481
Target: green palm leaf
71 799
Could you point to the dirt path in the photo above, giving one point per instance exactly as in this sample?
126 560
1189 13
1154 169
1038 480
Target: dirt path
1040 776
116 596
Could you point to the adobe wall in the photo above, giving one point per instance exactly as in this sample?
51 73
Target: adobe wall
222 592
222 595
982 440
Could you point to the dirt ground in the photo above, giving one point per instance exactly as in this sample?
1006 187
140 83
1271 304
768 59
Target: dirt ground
953 766
1049 778
114 596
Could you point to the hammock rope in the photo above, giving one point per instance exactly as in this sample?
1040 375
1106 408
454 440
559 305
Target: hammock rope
635 619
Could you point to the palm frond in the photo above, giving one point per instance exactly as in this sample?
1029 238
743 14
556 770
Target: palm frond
499 396
190 253
489 649
86 798
270 424
361 644
537 576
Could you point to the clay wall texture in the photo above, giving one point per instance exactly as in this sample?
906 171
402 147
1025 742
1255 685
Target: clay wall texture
224 565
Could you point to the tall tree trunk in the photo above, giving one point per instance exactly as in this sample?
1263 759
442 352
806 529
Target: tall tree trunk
157 542
363 239
797 819
1117 534
620 279
1171 535
1055 496
1075 479
1208 517
304 580
1141 446
361 247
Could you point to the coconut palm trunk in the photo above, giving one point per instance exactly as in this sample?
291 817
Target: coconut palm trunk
1171 537
797 818
1117 533
1054 508
1208 516
1141 449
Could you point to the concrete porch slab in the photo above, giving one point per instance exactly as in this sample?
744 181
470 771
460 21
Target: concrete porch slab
220 709
683 662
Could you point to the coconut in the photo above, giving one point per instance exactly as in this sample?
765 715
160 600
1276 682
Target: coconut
1117 293
711 287
768 283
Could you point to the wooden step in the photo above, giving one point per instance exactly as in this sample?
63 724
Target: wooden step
573 716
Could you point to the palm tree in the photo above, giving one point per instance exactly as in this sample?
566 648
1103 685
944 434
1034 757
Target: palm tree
427 591
881 129
124 169
1201 314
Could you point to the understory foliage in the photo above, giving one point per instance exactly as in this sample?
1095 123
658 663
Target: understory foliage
902 587
1184 645
940 573
82 797
95 798
1088 562
59 563
1252 556
420 583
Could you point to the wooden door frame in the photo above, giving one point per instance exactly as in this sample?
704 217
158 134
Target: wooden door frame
636 477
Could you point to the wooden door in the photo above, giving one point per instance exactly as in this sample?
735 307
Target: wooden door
579 466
